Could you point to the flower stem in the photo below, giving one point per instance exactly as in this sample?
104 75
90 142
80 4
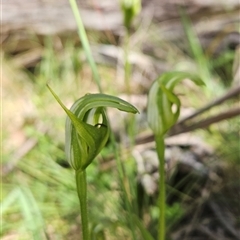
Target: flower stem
81 182
127 64
161 201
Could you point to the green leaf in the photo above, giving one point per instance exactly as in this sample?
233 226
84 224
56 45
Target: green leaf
87 127
162 100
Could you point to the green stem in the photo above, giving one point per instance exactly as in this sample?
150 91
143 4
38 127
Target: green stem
83 36
161 201
127 78
123 181
81 182
127 64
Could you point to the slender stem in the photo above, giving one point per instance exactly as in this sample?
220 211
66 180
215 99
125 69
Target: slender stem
81 182
83 36
123 183
127 78
127 64
161 201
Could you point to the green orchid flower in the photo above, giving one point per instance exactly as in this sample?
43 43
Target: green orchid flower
87 130
161 113
87 127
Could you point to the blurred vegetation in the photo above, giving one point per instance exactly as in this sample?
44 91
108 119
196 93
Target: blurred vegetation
38 199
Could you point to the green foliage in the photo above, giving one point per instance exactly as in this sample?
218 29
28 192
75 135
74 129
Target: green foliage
32 217
83 36
173 214
223 65
196 50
